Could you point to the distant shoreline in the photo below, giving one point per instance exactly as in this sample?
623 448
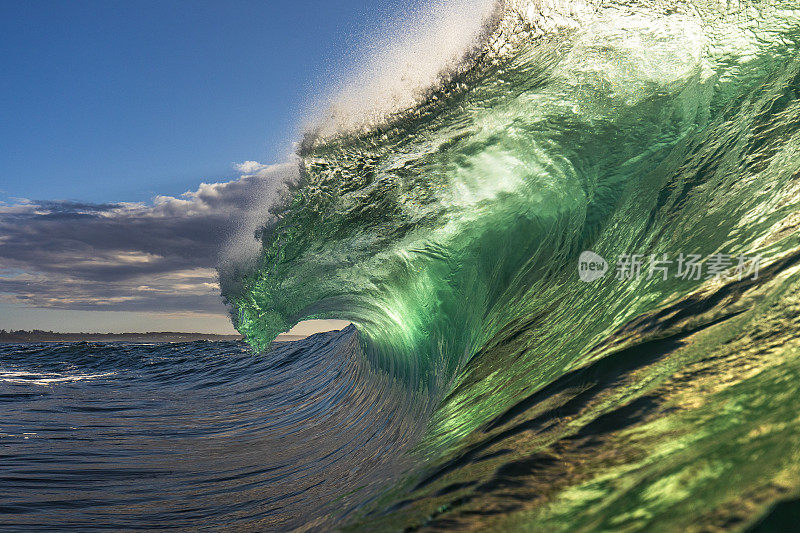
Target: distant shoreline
12 337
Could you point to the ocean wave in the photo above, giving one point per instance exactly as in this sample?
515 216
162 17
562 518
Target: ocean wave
448 229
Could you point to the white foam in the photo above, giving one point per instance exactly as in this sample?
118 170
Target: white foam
47 378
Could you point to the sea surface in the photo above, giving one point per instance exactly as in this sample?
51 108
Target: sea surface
183 436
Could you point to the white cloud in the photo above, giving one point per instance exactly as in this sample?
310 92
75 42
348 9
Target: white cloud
250 167
137 256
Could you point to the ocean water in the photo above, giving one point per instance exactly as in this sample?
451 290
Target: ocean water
492 379
194 435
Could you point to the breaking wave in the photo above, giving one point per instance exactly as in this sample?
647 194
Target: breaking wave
444 216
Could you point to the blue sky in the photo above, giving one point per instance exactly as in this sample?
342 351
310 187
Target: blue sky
119 101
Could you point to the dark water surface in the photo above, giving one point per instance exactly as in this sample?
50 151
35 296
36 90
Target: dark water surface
189 435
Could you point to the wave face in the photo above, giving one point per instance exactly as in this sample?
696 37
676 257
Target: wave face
449 234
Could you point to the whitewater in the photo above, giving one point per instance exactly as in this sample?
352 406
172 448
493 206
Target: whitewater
441 203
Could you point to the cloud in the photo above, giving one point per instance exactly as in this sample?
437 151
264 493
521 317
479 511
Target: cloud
123 256
250 167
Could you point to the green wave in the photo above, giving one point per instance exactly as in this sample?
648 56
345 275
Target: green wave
434 230
449 234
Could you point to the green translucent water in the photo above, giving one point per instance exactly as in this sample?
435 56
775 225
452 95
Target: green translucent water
450 235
